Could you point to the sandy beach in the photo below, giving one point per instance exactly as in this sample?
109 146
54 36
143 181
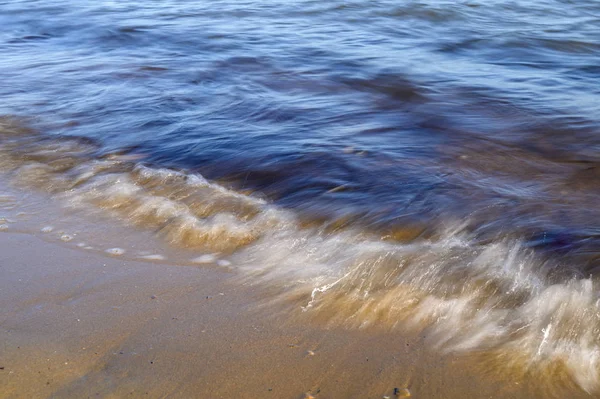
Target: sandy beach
78 325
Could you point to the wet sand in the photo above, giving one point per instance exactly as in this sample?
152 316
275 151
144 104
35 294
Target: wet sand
77 325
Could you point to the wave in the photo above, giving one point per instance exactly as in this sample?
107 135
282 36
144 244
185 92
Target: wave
498 300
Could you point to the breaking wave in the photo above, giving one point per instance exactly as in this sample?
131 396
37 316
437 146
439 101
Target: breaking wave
496 299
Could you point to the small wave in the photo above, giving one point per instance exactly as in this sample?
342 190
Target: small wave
498 300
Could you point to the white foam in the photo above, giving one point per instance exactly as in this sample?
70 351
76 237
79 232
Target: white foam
66 237
469 297
115 251
205 259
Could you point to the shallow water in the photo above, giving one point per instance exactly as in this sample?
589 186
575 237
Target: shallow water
425 165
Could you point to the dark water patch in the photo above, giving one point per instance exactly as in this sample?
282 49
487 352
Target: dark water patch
150 68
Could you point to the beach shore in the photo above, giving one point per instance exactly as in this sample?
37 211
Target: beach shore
77 325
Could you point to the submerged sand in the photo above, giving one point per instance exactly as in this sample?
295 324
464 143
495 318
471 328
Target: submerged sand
76 324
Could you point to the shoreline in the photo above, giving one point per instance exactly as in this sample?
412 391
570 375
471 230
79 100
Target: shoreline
77 325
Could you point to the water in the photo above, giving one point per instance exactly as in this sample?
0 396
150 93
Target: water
426 165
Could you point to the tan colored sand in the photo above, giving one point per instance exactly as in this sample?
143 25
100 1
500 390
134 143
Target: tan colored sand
78 325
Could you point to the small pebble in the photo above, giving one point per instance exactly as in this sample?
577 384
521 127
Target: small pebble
47 229
204 259
81 244
310 353
152 296
223 263
66 237
3 227
115 251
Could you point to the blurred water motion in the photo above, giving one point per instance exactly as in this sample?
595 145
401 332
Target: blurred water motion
430 164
